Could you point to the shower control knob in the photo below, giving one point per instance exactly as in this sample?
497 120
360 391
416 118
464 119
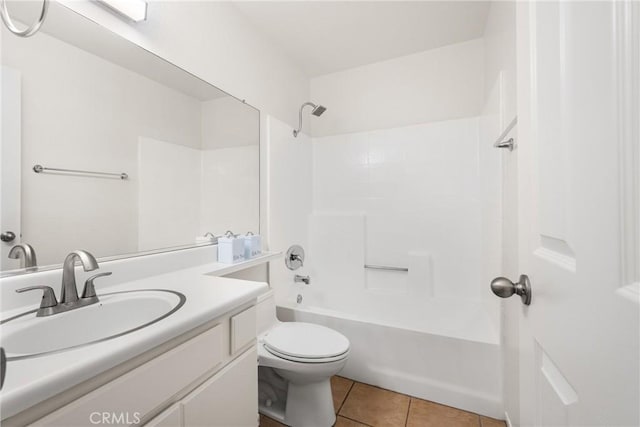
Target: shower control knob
8 236
504 288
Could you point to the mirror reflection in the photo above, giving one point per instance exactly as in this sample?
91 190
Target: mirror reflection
133 153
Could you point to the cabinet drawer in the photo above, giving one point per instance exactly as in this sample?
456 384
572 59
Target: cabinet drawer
141 390
243 329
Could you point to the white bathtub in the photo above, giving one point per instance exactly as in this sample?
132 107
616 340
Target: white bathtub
443 350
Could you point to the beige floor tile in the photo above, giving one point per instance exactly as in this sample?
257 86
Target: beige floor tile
428 414
375 406
491 422
345 422
268 422
339 388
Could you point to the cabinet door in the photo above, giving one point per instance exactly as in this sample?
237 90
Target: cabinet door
229 398
170 417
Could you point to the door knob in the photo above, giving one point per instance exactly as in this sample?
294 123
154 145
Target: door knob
504 288
8 236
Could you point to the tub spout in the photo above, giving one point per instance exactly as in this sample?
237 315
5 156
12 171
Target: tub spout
304 279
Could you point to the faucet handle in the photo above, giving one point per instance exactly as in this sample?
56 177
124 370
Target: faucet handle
48 297
89 288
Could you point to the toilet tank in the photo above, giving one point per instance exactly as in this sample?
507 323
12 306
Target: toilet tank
265 312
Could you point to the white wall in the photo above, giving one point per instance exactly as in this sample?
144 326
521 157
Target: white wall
435 85
216 43
228 123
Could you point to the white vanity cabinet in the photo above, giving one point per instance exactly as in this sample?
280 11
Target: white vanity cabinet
209 380
229 398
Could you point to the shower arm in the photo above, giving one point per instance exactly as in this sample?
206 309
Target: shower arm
297 131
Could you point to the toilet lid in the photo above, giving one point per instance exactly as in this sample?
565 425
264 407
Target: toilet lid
306 341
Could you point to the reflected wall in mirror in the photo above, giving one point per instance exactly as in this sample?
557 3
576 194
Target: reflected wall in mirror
78 96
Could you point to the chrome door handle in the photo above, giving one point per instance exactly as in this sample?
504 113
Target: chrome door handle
504 288
8 236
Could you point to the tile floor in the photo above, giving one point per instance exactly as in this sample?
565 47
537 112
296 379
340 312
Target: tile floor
362 405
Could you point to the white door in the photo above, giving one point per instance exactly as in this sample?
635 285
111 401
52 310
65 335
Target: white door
10 127
579 227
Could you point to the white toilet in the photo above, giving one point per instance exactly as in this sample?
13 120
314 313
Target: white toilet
296 362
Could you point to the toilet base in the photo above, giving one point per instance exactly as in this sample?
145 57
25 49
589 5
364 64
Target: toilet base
310 405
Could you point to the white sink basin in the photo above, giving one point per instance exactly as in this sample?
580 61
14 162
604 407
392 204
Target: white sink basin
116 314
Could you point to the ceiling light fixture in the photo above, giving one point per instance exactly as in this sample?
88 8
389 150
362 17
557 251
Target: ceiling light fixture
135 10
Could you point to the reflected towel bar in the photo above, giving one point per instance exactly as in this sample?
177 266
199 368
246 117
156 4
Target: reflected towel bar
40 168
382 267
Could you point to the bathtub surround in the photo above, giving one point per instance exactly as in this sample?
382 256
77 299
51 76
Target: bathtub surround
405 187
406 191
361 215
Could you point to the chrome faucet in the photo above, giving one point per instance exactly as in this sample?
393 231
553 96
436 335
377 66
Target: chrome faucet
69 292
28 254
304 279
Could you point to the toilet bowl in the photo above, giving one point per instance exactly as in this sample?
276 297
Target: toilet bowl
297 361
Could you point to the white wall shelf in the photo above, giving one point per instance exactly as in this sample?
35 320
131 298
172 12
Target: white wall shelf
220 269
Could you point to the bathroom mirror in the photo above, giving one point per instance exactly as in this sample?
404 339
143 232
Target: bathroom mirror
176 157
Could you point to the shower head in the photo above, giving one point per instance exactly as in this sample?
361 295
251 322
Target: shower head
317 111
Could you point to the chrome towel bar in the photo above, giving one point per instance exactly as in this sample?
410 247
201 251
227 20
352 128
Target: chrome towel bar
40 169
382 267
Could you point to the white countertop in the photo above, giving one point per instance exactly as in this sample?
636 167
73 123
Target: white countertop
33 380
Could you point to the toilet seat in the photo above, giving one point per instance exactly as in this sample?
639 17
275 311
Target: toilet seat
306 343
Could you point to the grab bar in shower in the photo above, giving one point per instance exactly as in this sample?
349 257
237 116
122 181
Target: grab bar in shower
383 267
40 169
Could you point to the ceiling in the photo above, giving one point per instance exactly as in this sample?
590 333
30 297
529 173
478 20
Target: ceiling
328 36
